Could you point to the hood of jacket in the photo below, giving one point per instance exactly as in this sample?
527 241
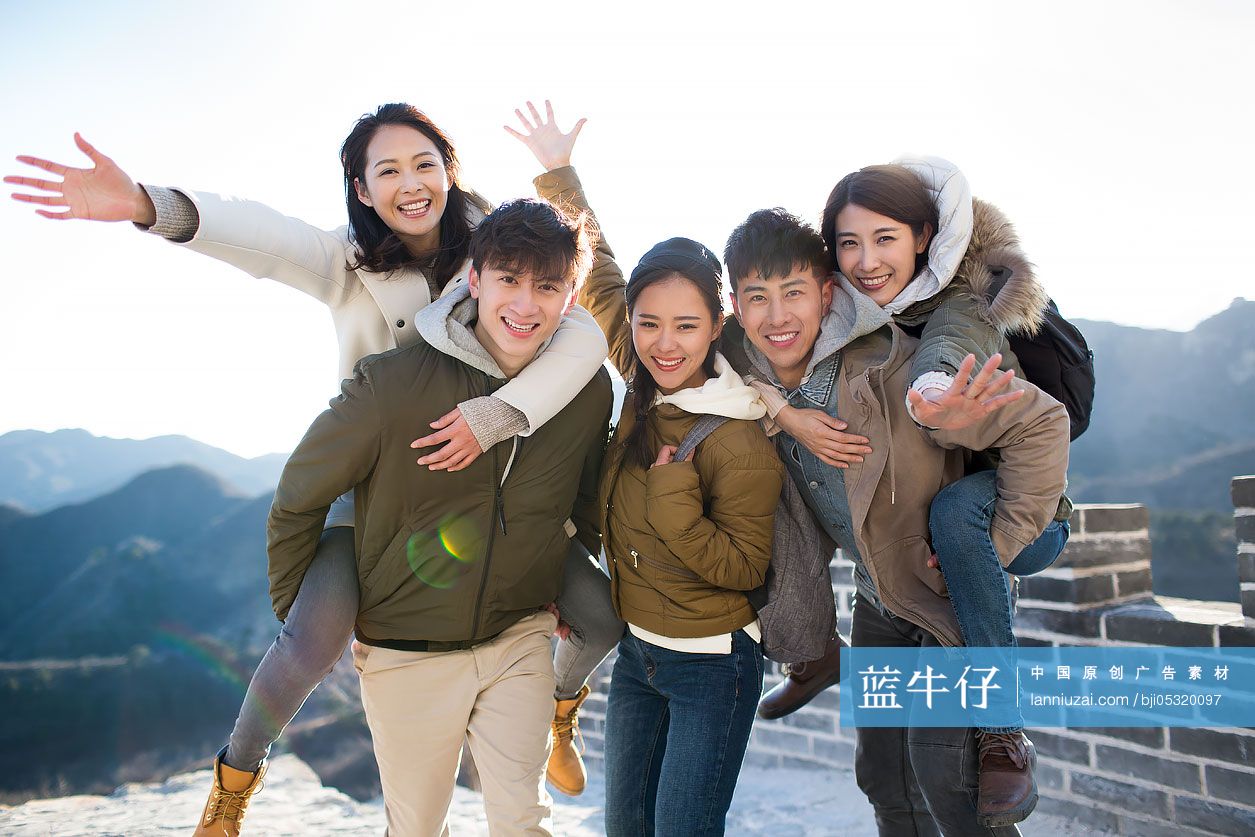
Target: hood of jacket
448 326
851 316
976 252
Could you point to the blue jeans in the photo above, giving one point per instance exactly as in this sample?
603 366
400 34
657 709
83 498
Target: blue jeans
959 522
320 624
677 725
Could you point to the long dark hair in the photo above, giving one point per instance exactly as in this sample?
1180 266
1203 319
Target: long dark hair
890 190
379 249
676 258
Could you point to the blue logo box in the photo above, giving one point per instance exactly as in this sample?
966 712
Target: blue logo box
1073 686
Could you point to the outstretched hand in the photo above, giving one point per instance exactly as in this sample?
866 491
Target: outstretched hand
101 193
966 402
460 447
542 135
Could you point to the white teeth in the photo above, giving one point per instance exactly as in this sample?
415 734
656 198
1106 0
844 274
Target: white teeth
520 326
874 281
414 207
782 338
668 365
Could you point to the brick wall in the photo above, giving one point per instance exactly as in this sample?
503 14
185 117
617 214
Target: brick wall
1146 781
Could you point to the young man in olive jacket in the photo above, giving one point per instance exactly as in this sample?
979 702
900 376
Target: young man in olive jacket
454 567
823 345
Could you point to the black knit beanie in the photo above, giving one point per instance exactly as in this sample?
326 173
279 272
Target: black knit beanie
679 254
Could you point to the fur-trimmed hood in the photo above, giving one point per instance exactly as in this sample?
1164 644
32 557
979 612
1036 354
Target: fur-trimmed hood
991 257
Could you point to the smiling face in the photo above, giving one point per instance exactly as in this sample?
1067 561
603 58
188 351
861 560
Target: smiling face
406 183
781 316
672 329
876 253
518 312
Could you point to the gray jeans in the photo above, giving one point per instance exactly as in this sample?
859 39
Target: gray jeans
320 623
921 781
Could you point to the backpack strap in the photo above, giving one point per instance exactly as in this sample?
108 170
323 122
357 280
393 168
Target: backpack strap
705 425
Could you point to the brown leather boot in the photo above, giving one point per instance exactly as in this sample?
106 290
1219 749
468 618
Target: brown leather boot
566 768
803 682
1008 792
228 799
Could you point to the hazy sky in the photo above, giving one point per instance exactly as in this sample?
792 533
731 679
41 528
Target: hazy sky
1116 136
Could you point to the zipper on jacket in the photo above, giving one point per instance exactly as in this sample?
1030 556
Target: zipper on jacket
498 511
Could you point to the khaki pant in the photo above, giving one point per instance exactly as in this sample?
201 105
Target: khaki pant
498 696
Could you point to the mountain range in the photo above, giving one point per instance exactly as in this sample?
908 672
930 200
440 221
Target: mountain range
133 591
39 470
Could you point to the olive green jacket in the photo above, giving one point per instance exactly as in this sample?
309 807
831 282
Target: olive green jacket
687 540
442 556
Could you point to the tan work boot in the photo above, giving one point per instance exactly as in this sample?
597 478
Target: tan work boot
566 768
228 799
1007 792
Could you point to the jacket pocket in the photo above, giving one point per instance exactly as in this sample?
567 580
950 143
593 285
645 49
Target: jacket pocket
439 556
906 562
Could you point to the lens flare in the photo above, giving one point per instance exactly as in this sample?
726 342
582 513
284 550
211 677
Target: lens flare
444 558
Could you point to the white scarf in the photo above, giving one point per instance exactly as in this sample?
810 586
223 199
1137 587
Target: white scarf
723 395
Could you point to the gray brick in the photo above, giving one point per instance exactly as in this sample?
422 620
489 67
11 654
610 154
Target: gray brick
1048 777
1146 736
1244 528
1088 589
1132 583
1121 795
1242 490
1213 744
1091 816
1152 625
1032 642
1058 747
802 763
1236 785
1082 554
781 739
1237 636
816 720
1177 774
1080 623
1246 566
837 753
756 758
1135 827
1114 518
1248 603
1214 816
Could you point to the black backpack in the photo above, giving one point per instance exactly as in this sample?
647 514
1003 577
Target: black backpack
1058 360
1060 363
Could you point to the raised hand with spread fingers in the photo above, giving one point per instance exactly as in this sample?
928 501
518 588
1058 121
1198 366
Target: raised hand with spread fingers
546 140
102 193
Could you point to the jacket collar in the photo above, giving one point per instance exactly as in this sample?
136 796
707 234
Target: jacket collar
448 327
